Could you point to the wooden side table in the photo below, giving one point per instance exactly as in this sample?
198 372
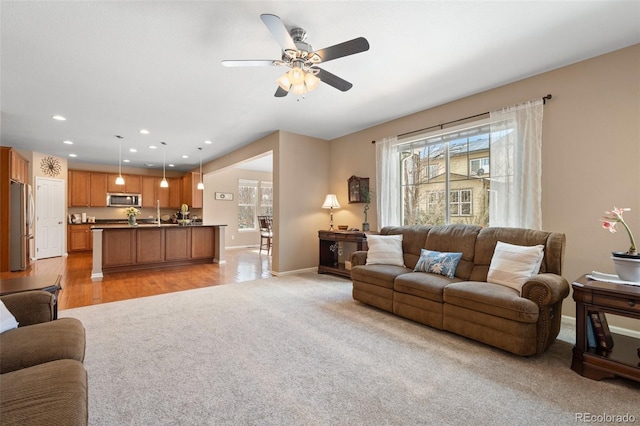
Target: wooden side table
49 282
329 244
618 299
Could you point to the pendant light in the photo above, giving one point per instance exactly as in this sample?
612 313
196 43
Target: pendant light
200 184
163 182
119 179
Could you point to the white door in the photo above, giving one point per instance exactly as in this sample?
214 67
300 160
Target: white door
49 217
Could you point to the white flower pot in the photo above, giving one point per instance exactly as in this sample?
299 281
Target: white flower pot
627 268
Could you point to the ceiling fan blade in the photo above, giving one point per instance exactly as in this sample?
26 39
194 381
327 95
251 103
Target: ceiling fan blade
347 48
281 93
250 63
279 31
333 80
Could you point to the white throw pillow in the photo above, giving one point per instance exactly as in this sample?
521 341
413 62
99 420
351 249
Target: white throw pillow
385 250
7 320
512 265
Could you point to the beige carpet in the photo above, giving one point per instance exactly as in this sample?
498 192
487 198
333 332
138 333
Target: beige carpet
298 350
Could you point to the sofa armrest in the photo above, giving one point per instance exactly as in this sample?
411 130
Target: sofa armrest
358 258
545 289
30 307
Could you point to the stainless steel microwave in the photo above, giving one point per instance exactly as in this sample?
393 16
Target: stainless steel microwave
124 200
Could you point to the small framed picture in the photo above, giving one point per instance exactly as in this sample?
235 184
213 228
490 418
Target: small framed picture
224 196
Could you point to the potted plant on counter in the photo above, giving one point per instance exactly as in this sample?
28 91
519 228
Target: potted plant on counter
366 197
131 213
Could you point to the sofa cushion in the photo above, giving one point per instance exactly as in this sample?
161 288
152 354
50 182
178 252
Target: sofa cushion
424 285
23 347
385 250
53 393
492 299
380 275
438 263
413 240
511 264
455 239
7 320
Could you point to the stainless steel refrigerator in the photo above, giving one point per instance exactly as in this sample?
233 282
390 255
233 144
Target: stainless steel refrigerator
21 222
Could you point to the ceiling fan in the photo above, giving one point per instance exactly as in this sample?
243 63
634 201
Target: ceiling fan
304 74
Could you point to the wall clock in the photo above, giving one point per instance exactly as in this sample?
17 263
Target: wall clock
50 166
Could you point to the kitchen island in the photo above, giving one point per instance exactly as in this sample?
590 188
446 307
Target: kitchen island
119 248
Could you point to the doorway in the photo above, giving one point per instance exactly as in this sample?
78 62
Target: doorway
50 215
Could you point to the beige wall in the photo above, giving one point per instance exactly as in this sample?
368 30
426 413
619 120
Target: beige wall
591 152
218 212
300 182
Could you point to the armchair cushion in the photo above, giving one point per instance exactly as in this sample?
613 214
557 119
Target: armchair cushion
23 347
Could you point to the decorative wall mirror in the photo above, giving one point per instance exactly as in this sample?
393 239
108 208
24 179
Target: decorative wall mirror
358 186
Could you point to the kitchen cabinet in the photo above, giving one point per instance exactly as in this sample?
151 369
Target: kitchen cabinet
132 184
19 167
175 192
149 190
86 189
191 195
79 184
79 238
98 190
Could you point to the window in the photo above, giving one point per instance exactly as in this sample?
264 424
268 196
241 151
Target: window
441 177
255 198
247 199
266 199
479 166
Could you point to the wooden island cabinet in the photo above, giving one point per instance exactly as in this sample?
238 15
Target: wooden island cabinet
122 247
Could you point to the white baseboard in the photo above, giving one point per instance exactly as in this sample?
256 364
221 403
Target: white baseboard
295 271
613 328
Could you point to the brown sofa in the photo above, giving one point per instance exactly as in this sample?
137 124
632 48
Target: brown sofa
42 380
524 324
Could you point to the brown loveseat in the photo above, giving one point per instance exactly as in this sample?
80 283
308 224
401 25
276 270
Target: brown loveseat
43 380
523 323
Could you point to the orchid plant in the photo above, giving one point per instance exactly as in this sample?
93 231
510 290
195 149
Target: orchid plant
131 211
612 218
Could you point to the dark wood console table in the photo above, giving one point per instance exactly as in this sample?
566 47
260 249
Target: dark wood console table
617 299
330 242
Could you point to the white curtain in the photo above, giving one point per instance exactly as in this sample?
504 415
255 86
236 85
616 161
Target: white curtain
388 182
516 166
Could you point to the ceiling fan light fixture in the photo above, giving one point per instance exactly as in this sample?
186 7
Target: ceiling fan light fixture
311 81
296 75
284 81
299 89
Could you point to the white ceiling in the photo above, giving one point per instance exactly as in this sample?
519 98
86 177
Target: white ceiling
115 67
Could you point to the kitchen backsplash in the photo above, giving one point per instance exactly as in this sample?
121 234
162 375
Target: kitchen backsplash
115 213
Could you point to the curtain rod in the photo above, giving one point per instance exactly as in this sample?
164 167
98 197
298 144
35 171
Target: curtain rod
544 101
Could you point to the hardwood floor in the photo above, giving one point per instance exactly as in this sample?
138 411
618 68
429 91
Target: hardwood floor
79 290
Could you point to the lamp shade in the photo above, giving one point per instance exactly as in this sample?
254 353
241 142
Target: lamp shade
331 201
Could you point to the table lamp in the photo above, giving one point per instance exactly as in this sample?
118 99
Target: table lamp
331 202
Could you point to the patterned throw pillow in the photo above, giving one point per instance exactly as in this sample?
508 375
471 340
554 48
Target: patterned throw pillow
438 263
512 265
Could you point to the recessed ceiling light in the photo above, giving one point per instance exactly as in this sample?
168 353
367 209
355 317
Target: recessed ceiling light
72 155
58 117
67 142
185 156
126 161
148 164
152 147
144 131
133 150
208 142
171 165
